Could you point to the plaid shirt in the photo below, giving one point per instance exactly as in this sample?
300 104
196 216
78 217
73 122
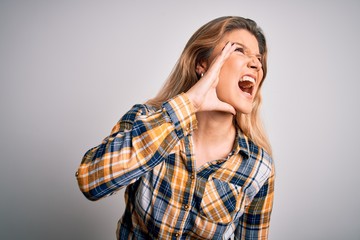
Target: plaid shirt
150 151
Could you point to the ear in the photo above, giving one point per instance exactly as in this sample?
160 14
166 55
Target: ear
201 67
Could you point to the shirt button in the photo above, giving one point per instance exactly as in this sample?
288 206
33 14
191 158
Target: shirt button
186 207
76 174
177 234
192 177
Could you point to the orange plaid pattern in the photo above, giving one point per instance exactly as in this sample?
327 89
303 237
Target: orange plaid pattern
150 151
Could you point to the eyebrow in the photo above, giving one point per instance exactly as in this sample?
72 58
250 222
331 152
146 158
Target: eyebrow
241 45
247 49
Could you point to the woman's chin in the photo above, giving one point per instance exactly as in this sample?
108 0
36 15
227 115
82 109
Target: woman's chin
243 109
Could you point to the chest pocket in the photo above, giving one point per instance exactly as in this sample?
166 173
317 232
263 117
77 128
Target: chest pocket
221 200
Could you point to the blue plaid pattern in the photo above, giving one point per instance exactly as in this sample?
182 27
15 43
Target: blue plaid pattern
150 152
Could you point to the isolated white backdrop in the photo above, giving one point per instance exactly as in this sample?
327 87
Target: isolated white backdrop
70 69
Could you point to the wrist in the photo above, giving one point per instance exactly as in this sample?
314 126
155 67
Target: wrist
192 100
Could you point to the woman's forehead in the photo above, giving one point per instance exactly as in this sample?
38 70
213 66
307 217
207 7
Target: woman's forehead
241 37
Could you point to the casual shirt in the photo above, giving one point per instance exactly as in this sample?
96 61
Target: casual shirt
151 152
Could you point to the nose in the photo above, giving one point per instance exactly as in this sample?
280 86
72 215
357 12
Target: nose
254 63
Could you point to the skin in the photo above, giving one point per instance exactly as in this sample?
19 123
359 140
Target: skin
217 96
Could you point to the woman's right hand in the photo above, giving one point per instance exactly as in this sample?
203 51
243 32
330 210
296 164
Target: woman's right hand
203 94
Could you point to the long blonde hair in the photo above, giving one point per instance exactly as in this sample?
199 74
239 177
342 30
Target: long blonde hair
199 48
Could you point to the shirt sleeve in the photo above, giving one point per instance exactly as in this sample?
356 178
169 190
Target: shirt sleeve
255 222
138 142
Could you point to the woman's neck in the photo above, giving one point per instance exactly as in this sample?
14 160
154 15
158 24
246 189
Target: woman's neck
214 127
214 138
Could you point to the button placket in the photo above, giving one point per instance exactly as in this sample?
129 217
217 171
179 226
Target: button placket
190 184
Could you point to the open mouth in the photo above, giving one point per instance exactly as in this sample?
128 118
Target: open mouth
246 84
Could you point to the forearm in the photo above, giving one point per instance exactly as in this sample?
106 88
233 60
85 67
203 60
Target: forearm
138 143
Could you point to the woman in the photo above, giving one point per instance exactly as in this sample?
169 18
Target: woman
195 159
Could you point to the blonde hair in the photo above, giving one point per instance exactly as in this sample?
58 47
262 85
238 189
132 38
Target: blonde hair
199 48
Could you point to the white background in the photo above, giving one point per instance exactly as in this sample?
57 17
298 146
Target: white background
70 69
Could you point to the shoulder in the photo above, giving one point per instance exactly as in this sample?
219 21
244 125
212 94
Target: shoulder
139 109
258 152
263 160
266 157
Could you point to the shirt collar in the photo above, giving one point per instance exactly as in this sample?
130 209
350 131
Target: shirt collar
241 144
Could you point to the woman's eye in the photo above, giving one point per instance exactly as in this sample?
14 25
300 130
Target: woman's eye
239 50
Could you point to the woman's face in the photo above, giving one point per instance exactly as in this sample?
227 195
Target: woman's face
241 74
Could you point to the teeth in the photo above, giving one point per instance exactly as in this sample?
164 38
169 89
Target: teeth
247 78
